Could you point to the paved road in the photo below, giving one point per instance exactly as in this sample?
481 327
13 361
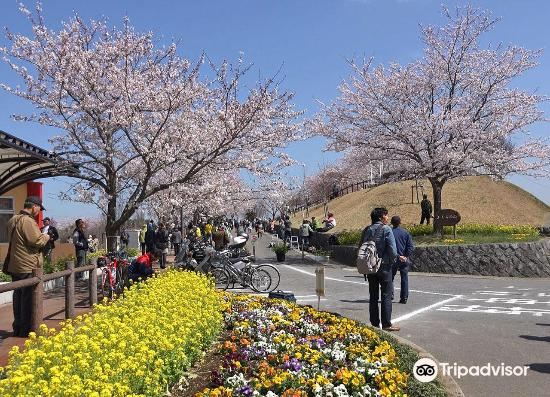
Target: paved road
471 321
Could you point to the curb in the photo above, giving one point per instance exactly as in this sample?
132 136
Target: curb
448 382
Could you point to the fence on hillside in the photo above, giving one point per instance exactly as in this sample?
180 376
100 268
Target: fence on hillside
354 187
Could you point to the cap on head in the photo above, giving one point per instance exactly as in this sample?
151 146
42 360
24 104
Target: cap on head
36 201
46 219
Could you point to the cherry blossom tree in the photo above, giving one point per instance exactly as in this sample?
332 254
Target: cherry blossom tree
127 111
450 114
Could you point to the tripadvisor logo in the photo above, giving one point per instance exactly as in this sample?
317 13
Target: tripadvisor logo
426 370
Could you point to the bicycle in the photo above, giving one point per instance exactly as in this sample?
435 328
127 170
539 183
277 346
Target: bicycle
114 275
260 278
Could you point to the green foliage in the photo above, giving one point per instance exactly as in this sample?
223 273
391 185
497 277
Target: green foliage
59 265
4 277
280 248
407 358
97 254
349 237
476 228
132 252
469 233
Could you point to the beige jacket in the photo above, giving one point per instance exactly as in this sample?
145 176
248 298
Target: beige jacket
25 254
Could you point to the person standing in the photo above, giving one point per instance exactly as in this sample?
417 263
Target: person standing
142 234
49 229
26 243
405 247
124 239
220 239
80 244
161 242
150 237
288 228
305 230
176 240
426 208
382 235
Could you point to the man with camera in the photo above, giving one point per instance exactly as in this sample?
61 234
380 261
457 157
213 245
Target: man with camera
24 255
51 231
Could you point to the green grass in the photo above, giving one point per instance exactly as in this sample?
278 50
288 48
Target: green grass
466 234
407 358
468 239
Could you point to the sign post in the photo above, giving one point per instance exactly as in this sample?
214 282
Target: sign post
319 284
448 217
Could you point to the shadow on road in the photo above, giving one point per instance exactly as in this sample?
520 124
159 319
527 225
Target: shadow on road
543 368
536 338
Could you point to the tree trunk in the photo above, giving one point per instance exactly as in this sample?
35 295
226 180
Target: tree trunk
111 228
437 188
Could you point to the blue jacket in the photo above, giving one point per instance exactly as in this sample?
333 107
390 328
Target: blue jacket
385 242
403 242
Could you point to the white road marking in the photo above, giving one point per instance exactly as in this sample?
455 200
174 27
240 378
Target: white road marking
311 300
362 282
493 310
425 309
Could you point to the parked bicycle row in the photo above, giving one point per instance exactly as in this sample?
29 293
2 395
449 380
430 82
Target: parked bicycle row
232 266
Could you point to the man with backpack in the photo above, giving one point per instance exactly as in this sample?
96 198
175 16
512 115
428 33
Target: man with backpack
377 253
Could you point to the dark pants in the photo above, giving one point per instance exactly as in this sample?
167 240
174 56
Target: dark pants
377 282
404 273
426 216
22 306
143 246
162 261
176 248
305 241
80 261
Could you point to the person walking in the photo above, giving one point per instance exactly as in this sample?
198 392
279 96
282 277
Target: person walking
382 235
175 238
161 242
305 230
48 228
80 244
24 255
142 234
405 247
426 208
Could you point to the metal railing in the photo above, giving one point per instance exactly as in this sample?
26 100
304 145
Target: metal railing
354 187
37 282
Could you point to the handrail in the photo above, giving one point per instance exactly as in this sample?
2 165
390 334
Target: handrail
37 282
355 187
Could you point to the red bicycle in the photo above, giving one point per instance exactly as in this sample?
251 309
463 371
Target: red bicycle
114 274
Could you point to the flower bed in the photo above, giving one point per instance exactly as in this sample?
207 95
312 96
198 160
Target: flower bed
136 346
278 349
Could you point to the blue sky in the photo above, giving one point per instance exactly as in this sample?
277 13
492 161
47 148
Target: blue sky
309 40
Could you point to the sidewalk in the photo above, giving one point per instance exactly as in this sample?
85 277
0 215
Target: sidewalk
54 313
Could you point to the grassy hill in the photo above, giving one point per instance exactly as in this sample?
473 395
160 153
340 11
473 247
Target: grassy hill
477 199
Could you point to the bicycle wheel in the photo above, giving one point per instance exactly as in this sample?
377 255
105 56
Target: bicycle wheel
260 281
274 277
106 289
121 279
221 278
